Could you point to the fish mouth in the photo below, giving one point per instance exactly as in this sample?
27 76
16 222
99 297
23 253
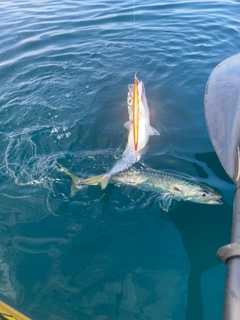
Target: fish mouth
215 201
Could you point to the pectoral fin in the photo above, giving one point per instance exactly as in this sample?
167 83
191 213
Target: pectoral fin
127 125
153 132
166 201
237 171
104 181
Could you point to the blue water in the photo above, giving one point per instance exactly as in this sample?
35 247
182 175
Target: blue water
64 71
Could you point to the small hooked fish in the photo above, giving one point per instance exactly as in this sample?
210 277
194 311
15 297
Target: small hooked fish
132 155
135 107
169 186
144 128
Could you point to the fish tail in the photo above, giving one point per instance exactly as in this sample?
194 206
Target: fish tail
92 180
75 180
74 186
62 169
104 180
79 183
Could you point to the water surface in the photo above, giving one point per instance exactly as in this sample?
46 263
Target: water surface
64 71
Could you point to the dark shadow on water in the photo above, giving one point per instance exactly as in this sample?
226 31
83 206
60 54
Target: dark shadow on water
201 239
203 229
212 161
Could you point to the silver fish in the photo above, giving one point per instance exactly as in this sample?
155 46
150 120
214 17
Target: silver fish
169 186
131 156
144 128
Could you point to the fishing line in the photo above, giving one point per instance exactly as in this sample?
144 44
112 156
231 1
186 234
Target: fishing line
135 48
135 45
134 35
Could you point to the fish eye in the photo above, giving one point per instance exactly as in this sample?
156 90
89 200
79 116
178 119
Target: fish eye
203 194
129 101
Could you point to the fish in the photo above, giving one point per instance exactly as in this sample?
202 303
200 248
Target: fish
130 155
135 112
168 186
144 128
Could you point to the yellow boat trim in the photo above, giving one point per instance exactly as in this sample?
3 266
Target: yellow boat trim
8 313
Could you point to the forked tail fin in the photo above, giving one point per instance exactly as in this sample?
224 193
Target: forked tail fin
76 181
79 183
75 186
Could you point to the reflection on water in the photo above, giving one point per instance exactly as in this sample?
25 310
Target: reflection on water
201 240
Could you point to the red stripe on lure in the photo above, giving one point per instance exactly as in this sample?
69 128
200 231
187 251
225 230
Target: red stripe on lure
135 112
